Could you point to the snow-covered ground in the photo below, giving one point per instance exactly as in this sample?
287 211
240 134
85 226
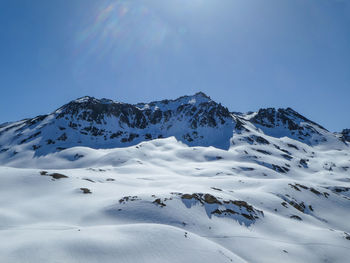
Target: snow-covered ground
163 201
103 181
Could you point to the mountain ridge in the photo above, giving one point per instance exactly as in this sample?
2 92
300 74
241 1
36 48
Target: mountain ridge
195 120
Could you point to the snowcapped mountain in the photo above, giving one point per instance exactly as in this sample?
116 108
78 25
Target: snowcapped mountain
194 120
182 180
289 123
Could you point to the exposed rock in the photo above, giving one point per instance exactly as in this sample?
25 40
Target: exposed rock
53 175
85 190
126 199
296 217
225 207
345 135
210 199
159 202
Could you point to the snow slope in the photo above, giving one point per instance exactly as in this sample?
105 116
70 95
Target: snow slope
123 243
280 192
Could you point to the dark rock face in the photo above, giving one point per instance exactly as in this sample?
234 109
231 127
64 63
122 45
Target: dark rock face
236 209
345 135
265 117
95 111
272 118
294 125
207 113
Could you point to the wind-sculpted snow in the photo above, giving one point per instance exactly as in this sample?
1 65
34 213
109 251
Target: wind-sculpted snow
124 243
266 197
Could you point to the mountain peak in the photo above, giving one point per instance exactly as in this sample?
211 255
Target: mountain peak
197 98
201 94
270 117
84 99
287 122
90 99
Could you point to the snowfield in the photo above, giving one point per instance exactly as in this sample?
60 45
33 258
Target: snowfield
122 243
48 219
269 197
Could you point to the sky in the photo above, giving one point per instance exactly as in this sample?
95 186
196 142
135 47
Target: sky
244 54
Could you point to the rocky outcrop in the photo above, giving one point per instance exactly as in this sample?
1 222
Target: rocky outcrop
345 135
287 122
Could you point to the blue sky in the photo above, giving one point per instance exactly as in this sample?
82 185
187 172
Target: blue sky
245 54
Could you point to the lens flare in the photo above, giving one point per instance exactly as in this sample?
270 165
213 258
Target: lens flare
119 29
